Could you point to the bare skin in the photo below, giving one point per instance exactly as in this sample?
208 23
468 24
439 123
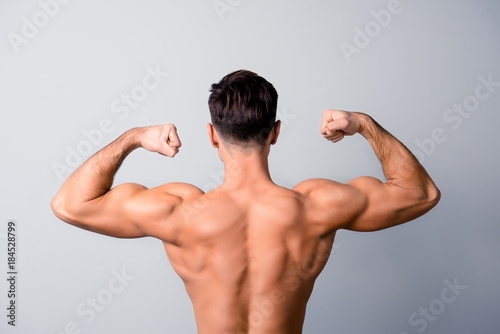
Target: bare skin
248 251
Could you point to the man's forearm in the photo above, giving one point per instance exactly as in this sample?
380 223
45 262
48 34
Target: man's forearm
400 166
95 177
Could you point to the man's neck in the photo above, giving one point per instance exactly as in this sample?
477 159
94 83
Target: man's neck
245 169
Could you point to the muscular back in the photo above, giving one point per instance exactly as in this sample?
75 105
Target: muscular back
248 251
248 258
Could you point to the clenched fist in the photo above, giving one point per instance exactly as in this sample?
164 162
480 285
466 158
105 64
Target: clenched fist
337 123
160 138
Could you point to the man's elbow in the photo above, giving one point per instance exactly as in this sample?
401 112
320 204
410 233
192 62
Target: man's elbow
60 208
69 212
432 197
422 200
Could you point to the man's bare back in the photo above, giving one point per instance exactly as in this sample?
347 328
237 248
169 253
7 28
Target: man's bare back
248 251
249 259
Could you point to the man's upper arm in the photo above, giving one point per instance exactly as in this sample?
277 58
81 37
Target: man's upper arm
130 210
363 204
388 204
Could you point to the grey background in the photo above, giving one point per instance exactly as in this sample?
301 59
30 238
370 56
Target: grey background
428 58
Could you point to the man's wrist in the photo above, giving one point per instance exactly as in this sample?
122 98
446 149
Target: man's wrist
132 138
366 123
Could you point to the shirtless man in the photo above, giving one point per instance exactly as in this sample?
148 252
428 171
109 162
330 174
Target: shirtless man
248 251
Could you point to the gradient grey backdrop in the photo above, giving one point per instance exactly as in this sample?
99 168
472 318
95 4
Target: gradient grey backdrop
65 79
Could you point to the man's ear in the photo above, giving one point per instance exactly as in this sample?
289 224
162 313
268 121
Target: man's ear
212 134
276 132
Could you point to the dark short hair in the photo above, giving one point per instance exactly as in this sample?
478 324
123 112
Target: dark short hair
243 108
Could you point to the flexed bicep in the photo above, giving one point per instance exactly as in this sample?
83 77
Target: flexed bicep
387 205
409 191
107 214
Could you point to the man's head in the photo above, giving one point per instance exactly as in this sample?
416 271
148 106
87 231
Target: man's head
243 109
